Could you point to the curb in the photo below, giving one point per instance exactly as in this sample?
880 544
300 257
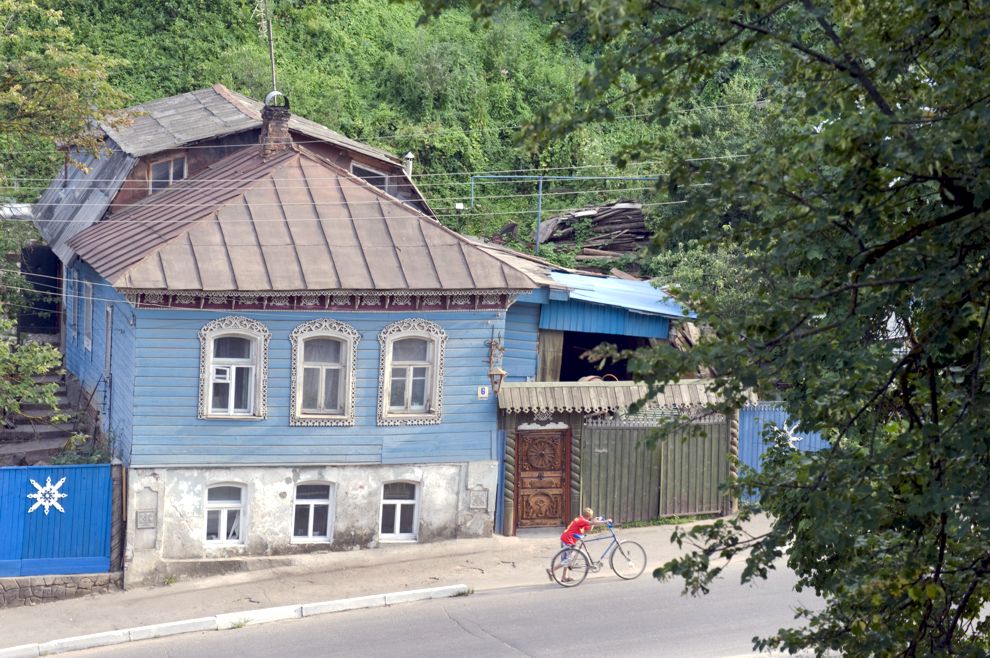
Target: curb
229 620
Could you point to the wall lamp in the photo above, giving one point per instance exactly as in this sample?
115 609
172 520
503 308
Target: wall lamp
496 375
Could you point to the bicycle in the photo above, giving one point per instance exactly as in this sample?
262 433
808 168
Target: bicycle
626 558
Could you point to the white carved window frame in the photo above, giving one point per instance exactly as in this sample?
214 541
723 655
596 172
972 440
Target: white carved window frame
87 295
349 336
412 328
241 327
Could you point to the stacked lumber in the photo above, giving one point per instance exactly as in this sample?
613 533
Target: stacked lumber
616 230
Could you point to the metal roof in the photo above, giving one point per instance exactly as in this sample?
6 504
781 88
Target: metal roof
292 222
70 205
636 296
169 123
601 396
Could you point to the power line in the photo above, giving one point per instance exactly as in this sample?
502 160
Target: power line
302 220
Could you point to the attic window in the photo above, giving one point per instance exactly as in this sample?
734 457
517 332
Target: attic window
376 178
166 172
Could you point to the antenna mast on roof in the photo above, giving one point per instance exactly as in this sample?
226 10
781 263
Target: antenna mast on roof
265 19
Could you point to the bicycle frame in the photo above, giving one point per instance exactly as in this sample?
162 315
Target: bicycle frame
582 545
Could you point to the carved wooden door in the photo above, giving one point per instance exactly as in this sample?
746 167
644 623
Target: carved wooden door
542 493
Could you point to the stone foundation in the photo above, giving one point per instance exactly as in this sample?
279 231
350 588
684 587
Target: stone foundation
30 590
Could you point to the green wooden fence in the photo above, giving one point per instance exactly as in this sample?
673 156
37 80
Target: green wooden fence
681 474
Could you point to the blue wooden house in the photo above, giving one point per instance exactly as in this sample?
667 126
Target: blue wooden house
289 353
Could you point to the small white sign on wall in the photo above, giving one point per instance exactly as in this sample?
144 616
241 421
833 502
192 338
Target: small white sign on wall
482 392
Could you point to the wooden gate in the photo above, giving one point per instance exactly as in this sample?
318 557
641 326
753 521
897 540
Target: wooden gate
623 477
55 519
542 491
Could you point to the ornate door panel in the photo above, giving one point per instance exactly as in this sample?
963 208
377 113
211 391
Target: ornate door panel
542 489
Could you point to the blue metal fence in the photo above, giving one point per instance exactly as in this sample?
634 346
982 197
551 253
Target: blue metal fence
55 519
752 421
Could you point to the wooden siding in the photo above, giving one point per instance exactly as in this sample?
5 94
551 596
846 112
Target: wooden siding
520 359
167 431
115 402
597 319
753 419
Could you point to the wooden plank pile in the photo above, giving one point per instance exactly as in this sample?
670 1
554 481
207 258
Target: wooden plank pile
616 230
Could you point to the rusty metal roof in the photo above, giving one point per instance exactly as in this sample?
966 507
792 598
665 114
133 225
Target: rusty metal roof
168 123
293 222
601 396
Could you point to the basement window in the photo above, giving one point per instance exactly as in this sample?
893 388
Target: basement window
312 519
399 511
166 172
224 514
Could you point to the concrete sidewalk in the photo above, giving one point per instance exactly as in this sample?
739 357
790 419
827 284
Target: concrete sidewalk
480 563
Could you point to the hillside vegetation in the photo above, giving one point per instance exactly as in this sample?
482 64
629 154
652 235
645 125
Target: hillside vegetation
451 91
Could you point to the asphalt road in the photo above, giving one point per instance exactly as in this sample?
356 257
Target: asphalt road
603 617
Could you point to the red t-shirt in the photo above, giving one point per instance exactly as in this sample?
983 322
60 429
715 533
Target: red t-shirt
577 527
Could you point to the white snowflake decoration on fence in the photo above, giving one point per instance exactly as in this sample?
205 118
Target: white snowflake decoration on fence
47 496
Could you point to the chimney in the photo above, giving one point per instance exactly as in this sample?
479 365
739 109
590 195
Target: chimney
275 125
408 162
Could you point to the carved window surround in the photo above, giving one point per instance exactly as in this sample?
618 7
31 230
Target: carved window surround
412 328
245 328
349 337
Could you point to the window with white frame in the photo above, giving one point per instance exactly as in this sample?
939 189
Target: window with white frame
233 369
312 518
225 514
324 358
377 178
87 300
399 515
411 373
166 172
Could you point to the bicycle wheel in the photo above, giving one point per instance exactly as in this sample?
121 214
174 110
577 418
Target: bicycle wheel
575 561
628 560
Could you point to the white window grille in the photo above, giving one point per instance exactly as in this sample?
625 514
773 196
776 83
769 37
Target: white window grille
400 517
324 361
225 514
313 513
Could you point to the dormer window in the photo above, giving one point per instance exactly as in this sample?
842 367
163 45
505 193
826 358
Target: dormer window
376 178
166 172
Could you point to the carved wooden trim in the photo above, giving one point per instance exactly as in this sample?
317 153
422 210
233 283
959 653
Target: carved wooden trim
411 328
350 337
234 325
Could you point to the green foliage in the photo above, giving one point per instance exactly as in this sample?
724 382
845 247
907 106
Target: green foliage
51 88
860 217
19 364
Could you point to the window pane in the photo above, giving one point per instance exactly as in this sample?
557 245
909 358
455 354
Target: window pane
418 394
213 524
397 397
373 177
221 393
313 492
388 519
178 169
159 175
224 494
410 349
300 524
233 524
232 347
331 389
311 389
321 350
406 518
321 517
400 491
242 387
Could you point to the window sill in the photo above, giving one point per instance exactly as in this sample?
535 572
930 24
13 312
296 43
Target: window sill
214 544
215 417
397 540
311 541
409 419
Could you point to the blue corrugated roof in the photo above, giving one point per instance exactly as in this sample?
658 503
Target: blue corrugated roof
635 296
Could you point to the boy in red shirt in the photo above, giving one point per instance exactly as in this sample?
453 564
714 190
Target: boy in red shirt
574 531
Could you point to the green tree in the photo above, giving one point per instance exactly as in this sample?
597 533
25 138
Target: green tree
862 219
51 89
